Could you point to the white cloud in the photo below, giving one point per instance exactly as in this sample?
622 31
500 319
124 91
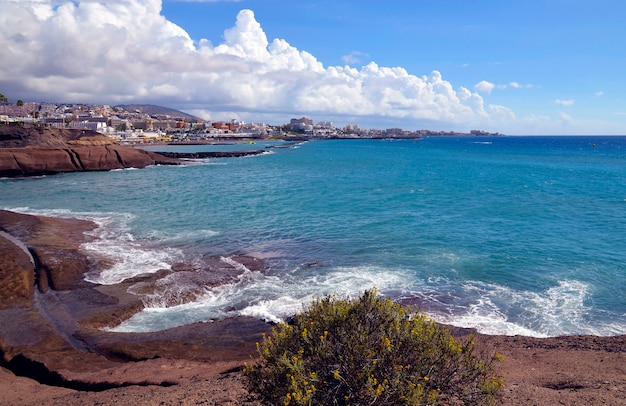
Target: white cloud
516 85
484 87
599 93
564 103
122 51
487 87
125 50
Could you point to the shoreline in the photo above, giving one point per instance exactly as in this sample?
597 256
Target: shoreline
46 234
52 317
108 228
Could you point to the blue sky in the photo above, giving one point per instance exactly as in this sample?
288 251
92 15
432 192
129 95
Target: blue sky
533 67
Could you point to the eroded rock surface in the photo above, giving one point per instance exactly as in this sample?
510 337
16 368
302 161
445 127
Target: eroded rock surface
50 318
38 161
49 151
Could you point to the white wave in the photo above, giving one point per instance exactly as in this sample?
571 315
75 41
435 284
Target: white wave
130 258
343 282
485 307
115 242
268 297
486 318
495 309
489 308
562 309
199 162
237 265
62 213
167 237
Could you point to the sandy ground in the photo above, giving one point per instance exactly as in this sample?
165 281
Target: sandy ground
556 371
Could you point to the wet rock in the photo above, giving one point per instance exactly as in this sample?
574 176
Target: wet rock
212 154
51 331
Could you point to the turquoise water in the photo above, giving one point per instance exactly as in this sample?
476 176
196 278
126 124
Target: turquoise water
511 235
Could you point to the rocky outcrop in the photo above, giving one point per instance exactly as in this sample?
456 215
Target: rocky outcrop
50 316
41 151
212 154
16 273
38 161
47 256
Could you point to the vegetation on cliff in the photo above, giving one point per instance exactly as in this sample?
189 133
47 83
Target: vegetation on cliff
369 351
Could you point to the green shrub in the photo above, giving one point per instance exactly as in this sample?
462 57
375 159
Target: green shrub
368 351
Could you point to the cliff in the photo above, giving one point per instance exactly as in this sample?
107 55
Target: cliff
37 161
48 151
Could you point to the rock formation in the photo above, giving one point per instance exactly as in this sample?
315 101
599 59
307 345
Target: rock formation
37 152
37 161
50 318
213 154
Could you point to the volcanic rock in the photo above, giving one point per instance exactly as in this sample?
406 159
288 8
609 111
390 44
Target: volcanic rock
51 319
38 161
49 151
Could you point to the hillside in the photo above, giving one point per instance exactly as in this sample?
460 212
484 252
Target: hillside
18 137
158 110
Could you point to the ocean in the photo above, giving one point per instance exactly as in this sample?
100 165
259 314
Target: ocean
508 235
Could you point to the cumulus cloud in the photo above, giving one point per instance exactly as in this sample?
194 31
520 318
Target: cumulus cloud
123 51
564 103
484 87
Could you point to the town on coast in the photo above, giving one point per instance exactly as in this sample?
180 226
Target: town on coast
144 123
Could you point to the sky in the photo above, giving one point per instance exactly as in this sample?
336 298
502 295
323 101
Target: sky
537 67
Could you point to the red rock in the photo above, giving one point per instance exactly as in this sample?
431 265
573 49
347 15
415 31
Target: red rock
37 161
48 151
50 325
16 274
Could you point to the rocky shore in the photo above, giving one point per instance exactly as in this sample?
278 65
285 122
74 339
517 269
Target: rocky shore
51 320
53 350
212 154
26 152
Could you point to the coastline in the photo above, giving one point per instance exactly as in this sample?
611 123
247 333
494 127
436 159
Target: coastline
51 319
